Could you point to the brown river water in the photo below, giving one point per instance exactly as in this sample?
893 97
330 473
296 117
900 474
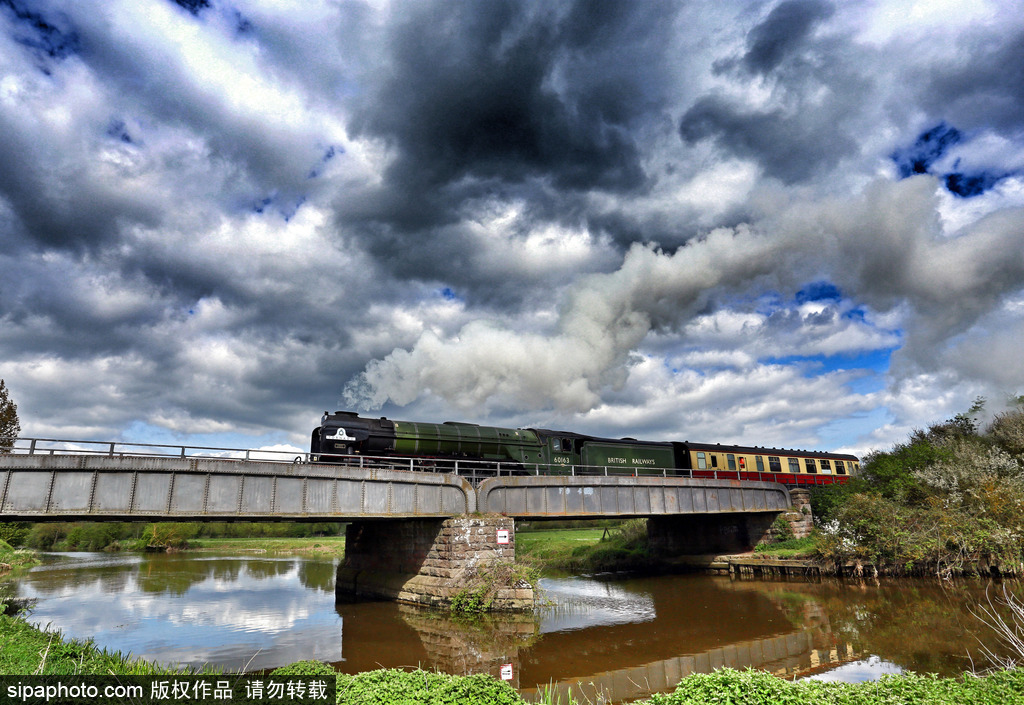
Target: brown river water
608 638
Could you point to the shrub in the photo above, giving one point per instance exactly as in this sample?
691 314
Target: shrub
305 668
727 686
395 687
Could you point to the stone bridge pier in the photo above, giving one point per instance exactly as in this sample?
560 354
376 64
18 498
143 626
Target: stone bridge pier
429 561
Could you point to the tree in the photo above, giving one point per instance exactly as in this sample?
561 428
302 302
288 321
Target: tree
10 427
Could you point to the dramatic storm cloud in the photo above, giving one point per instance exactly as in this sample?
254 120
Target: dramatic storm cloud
788 223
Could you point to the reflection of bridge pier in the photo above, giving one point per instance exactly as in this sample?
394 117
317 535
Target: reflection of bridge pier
412 637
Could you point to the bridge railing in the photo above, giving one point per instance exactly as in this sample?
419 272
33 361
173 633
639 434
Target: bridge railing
476 470
112 449
473 470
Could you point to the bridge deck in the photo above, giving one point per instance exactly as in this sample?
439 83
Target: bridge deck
133 488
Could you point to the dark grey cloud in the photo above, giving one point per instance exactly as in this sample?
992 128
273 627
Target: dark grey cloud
788 143
512 91
782 33
978 84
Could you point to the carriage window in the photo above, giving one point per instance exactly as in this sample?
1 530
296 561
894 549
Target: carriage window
760 463
826 466
794 465
840 468
743 463
774 464
731 459
702 460
811 467
714 460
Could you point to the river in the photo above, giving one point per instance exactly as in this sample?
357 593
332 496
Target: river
607 637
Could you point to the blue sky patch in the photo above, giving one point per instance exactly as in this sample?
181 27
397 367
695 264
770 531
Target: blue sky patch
934 144
929 147
818 291
815 365
974 184
43 33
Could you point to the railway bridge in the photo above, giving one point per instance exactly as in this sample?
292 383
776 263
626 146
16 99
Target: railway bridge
414 534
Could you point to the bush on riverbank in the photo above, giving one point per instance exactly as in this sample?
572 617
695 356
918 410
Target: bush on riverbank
727 686
949 501
394 687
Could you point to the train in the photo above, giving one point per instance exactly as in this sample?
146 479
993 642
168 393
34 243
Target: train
344 437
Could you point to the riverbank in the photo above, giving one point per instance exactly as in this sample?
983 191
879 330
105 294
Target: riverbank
12 559
28 650
322 546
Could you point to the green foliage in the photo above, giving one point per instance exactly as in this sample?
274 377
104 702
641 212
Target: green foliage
168 534
10 426
304 668
100 536
790 548
395 687
782 530
729 687
81 536
623 547
949 501
482 586
11 557
891 474
14 532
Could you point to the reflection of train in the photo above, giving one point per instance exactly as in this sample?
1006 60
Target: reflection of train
345 434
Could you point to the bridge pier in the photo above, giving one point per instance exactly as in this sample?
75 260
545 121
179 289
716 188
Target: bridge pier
692 534
430 561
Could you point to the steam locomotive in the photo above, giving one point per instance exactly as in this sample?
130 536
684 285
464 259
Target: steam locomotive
344 437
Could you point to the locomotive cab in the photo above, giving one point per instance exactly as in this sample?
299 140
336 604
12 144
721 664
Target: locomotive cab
345 433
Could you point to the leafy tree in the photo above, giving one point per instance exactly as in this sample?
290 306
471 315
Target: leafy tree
10 427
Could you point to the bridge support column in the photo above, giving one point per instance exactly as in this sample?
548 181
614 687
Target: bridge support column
431 561
692 534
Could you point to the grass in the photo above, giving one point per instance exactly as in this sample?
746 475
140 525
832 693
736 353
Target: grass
26 650
586 550
12 559
332 546
790 548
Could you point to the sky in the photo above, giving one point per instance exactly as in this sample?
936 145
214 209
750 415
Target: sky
795 224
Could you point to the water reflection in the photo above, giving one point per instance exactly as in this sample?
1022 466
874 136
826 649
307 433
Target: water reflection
611 638
236 613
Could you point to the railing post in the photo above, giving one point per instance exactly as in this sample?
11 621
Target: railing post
32 447
111 450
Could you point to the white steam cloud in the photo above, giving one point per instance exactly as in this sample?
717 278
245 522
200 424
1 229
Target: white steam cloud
884 249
